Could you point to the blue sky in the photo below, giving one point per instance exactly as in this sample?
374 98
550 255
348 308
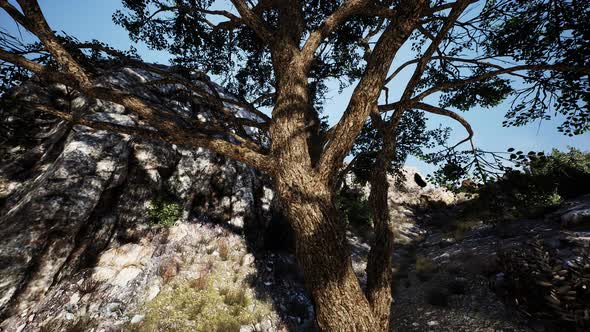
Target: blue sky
91 19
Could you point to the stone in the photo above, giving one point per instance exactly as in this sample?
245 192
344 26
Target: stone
266 325
248 259
247 328
137 319
126 275
576 217
153 292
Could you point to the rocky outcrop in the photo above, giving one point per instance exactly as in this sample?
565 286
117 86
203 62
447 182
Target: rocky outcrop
75 204
408 194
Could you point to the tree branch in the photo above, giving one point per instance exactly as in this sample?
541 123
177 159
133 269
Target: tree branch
330 24
458 8
253 21
236 152
37 24
455 84
74 75
365 95
450 114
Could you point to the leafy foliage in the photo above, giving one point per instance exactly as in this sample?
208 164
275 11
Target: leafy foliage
412 137
354 207
164 212
233 51
557 32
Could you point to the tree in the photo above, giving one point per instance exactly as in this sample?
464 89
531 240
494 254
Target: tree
280 54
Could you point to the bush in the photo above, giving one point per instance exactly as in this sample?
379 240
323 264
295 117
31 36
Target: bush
354 207
546 180
544 286
164 212
537 185
206 304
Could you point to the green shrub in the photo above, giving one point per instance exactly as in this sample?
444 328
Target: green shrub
164 212
354 207
210 305
538 184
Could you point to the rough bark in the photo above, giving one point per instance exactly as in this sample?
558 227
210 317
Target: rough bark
379 275
321 246
324 256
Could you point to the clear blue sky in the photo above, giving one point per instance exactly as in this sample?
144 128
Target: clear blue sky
87 20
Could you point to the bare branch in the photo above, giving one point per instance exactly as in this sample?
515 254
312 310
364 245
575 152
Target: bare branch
37 25
14 13
236 152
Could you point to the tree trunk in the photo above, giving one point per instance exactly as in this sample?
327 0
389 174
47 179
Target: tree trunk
379 275
324 255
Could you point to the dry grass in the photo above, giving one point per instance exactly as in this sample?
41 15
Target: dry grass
223 248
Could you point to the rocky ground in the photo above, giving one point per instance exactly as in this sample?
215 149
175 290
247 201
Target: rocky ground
444 283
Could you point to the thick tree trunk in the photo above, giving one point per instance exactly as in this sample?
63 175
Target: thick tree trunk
324 255
320 238
379 274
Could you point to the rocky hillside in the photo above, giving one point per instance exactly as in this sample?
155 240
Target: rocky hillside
79 209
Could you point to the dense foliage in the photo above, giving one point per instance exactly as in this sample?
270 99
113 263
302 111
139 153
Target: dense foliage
533 185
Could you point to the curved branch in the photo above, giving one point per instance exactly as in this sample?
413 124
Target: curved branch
233 151
441 111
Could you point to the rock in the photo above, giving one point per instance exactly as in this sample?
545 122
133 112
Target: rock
575 217
247 328
113 307
432 323
77 205
266 325
152 292
137 319
248 259
126 275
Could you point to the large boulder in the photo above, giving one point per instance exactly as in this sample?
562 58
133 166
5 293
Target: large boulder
71 197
